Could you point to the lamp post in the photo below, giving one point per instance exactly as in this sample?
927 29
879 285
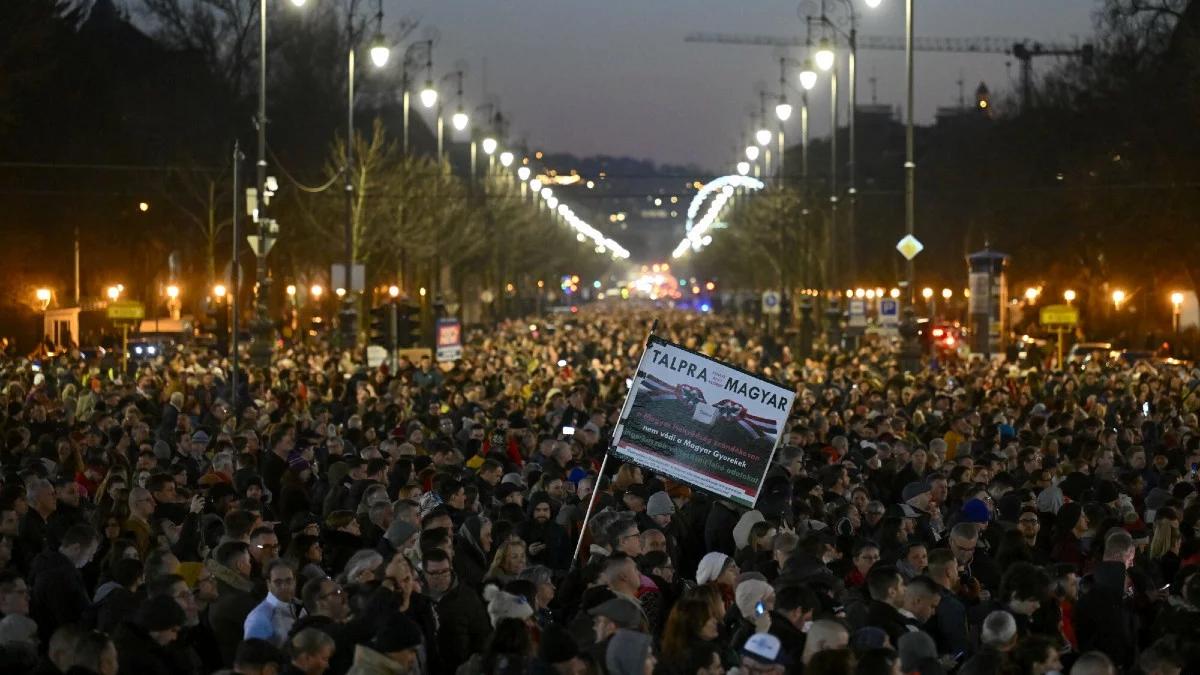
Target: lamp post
380 53
428 94
1176 310
1069 296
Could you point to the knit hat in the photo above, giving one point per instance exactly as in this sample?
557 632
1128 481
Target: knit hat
976 511
400 634
868 637
741 531
710 566
660 504
748 594
399 532
627 652
508 606
914 490
161 613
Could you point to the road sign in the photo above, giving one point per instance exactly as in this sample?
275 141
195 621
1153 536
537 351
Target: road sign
770 302
358 277
1059 315
858 313
909 247
889 312
126 310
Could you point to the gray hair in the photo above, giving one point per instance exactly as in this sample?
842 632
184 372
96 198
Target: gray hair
537 574
35 487
365 560
914 647
999 628
1093 663
309 641
966 531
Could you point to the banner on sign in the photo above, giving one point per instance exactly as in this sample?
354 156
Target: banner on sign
701 422
449 340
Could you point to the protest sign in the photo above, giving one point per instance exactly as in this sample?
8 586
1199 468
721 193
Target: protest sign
702 422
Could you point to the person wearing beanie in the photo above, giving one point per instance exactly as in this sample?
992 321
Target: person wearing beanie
750 596
1070 524
547 539
143 644
504 605
630 653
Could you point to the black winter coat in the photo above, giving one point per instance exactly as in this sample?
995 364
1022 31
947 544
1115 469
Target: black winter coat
463 626
59 594
1104 621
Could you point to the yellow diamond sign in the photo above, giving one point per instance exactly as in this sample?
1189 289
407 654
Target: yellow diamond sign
909 247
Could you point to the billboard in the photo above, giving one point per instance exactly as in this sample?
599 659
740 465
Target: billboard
702 422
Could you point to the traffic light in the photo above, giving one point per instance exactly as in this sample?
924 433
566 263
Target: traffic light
408 325
383 325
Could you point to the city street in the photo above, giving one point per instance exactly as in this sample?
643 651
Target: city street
360 337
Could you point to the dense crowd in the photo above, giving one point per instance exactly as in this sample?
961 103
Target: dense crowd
970 517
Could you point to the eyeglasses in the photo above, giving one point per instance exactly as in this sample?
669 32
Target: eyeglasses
439 573
1029 521
330 594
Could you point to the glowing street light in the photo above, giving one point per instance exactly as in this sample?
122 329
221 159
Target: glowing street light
113 292
894 293
429 95
219 291
947 293
763 136
927 293
172 291
1118 297
824 56
43 296
1177 309
394 291
380 52
460 120
1069 295
783 111
298 3
522 172
808 76
536 186
316 291
752 152
873 4
1031 294
506 159
489 145
743 168
291 290
546 193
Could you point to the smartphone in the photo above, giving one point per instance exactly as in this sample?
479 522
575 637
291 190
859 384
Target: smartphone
959 655
1146 408
1164 588
568 431
760 609
562 363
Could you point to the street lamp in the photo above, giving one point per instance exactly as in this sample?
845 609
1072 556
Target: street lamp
522 172
113 292
316 291
172 291
1069 295
489 145
808 76
752 152
428 95
763 136
460 120
536 186
743 167
506 159
824 55
219 291
1031 294
1177 309
1118 297
783 111
43 296
947 293
393 291
872 3
291 291
546 193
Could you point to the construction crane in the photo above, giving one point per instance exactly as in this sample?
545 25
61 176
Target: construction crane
1022 49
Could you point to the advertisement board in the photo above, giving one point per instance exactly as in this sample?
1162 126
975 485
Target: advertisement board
449 340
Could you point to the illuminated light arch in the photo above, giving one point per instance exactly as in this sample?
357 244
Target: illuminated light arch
698 230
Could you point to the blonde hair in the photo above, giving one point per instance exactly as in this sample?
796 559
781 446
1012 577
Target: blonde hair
1166 537
498 561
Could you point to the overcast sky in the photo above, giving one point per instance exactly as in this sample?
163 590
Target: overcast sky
615 76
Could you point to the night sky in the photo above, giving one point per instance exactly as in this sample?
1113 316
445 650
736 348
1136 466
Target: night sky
615 76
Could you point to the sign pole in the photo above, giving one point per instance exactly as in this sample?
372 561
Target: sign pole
587 515
603 467
1061 365
124 348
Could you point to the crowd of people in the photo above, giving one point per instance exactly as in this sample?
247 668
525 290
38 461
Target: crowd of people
326 517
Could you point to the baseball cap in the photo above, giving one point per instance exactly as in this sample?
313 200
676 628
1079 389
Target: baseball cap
765 648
